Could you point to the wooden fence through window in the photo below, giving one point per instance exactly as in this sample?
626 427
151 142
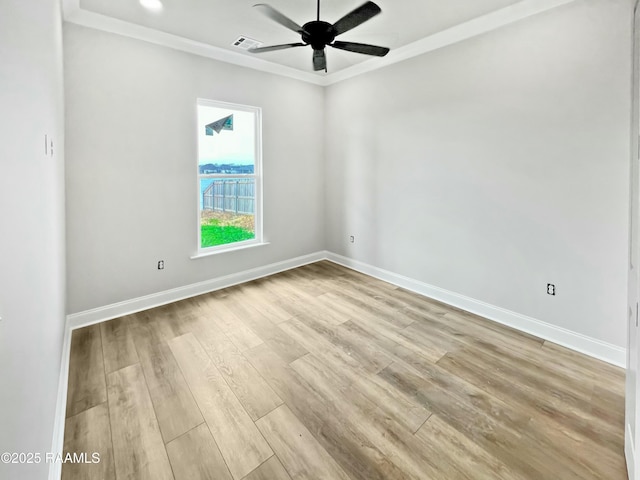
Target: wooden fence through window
233 195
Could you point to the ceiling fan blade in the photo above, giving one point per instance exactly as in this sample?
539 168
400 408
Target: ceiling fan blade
278 17
358 16
361 48
319 60
273 48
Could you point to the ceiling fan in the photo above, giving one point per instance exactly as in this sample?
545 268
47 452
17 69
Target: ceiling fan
319 34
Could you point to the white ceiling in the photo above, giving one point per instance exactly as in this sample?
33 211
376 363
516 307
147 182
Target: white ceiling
209 27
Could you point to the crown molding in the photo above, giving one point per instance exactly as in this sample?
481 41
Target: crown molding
525 8
458 33
76 15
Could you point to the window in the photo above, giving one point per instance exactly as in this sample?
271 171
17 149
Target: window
229 177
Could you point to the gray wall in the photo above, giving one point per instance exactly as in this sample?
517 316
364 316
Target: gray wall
131 166
32 237
495 166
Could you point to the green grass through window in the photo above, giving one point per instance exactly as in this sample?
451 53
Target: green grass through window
212 235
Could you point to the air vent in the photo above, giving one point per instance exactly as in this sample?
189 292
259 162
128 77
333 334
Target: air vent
245 43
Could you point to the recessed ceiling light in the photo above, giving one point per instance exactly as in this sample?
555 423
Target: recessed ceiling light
154 5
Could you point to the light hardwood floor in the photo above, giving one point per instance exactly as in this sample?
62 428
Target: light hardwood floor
324 373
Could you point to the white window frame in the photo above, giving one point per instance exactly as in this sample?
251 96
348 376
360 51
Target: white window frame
257 176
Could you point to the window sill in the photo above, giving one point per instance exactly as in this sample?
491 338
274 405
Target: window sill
227 250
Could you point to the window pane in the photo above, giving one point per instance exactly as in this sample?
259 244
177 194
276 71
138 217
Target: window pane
226 168
227 210
226 140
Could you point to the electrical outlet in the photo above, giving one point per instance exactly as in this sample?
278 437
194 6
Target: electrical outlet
352 239
551 289
161 265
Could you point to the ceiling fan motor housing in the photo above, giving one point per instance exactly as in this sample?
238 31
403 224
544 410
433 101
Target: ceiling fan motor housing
318 34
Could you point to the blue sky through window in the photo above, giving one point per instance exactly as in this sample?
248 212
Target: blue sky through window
235 146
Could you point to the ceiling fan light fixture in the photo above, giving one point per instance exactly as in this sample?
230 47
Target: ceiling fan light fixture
152 5
319 35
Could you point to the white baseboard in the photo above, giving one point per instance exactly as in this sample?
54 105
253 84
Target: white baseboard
55 469
576 341
629 453
115 310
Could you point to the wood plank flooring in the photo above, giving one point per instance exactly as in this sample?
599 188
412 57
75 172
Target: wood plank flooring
324 373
